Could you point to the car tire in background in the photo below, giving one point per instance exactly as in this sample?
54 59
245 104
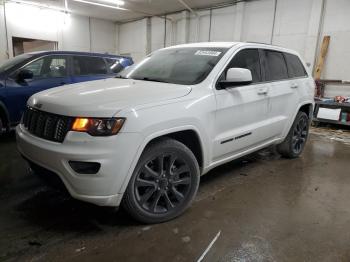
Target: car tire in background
164 182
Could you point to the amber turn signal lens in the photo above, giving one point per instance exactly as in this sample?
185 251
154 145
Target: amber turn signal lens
98 126
81 124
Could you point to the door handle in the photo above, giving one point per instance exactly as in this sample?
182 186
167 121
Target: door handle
262 91
294 85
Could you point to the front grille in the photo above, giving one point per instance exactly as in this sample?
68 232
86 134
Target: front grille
46 125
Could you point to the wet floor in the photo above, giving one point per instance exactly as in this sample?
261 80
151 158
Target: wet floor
259 208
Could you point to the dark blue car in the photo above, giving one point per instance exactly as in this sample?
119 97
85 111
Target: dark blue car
26 74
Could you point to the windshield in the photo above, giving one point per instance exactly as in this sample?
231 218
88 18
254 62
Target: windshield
13 61
187 66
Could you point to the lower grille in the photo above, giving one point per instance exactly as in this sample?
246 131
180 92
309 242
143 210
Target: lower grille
47 125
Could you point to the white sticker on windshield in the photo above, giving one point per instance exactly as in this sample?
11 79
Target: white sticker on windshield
207 53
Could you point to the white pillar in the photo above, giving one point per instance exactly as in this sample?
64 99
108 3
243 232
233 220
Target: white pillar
3 41
238 24
314 27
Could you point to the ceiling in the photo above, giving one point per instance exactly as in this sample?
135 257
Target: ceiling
136 8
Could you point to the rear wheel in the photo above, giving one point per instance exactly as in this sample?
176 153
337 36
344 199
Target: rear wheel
295 141
164 182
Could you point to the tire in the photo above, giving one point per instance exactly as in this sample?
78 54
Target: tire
1 126
296 139
164 183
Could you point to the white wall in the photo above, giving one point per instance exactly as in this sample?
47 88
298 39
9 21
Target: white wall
296 26
337 25
133 39
3 54
72 32
103 36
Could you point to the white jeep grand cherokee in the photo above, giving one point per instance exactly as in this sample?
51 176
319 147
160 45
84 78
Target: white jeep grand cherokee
144 139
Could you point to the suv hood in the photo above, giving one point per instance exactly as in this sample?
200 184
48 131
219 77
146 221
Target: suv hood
104 98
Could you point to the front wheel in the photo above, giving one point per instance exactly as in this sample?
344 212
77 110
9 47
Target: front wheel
295 141
1 126
164 182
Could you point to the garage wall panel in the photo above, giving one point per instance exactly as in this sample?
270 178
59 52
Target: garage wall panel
133 39
72 32
223 24
337 25
258 21
102 36
3 47
199 27
32 22
292 24
76 36
157 33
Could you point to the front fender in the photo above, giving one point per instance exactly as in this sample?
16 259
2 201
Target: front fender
151 136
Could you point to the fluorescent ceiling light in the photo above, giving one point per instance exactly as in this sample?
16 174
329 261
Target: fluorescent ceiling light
103 5
38 5
114 2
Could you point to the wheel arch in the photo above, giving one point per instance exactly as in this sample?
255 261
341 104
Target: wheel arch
188 135
183 134
307 109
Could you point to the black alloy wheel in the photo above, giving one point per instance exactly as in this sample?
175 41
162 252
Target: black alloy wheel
295 141
300 133
164 182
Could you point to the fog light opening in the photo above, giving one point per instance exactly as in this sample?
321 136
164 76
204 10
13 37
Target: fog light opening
81 167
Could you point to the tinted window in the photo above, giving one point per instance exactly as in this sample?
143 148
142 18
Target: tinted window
275 66
84 65
188 65
48 67
13 61
114 65
294 65
249 59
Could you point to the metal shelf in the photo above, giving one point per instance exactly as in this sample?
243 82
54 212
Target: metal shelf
333 104
331 121
344 106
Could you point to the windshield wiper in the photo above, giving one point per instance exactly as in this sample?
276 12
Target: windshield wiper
120 76
151 79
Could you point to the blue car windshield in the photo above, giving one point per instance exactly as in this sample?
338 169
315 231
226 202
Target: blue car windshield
13 61
186 66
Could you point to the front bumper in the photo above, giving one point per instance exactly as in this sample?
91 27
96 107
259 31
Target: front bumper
115 153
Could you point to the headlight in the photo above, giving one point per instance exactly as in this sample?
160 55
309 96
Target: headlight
98 126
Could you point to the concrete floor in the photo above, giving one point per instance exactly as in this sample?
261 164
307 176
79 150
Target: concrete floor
260 208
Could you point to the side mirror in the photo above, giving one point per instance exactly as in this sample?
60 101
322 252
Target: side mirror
235 77
24 74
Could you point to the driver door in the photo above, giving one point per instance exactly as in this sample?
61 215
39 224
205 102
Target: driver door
241 119
48 72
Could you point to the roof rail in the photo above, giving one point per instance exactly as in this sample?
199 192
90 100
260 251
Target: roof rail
252 42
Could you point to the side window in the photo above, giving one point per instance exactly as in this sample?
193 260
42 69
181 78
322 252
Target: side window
114 65
249 59
294 65
35 67
275 66
84 65
48 67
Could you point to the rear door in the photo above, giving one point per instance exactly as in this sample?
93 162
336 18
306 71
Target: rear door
283 96
48 72
242 111
88 68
